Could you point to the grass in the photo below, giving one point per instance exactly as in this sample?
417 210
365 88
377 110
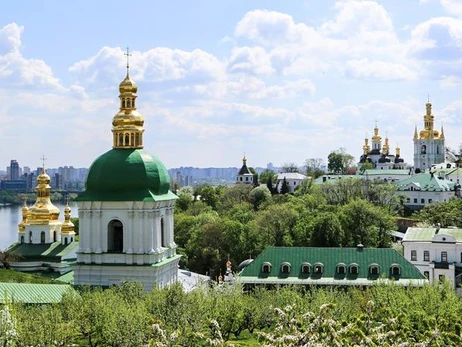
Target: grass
11 276
244 339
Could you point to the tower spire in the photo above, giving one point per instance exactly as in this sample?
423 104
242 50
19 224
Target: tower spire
128 54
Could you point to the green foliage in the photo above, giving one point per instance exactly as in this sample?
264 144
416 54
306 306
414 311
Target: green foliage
448 213
339 162
259 195
267 176
382 315
284 187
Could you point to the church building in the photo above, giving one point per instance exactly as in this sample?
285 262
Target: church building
44 242
428 144
126 210
380 157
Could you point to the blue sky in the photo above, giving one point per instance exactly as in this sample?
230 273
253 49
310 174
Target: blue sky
282 81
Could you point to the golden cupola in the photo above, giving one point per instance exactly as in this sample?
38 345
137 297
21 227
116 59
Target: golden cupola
386 147
428 132
398 151
67 227
366 147
127 124
376 137
43 211
25 215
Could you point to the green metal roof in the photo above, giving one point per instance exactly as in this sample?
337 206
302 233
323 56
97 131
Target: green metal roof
47 252
427 234
334 178
426 182
400 172
127 175
33 293
330 257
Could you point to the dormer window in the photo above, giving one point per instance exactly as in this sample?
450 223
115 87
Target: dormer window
266 267
354 269
395 269
374 269
318 268
341 269
306 268
285 268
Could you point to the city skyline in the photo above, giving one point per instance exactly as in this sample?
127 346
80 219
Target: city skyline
281 82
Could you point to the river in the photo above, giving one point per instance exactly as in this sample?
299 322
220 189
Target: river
10 216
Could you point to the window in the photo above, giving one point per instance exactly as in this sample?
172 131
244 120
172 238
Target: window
374 269
408 199
306 268
395 269
415 200
115 236
266 267
422 201
442 278
426 256
285 268
413 255
444 257
341 269
430 201
427 274
22 239
318 268
354 269
461 257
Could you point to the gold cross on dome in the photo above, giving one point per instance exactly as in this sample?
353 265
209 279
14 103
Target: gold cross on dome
128 54
43 161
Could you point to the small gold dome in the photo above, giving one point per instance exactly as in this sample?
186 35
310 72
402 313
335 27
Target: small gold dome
128 86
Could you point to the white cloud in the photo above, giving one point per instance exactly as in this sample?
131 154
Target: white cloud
453 7
19 71
251 60
364 69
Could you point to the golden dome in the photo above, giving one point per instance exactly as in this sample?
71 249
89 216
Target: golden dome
67 227
128 86
43 211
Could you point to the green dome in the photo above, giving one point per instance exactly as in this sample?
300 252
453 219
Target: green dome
127 175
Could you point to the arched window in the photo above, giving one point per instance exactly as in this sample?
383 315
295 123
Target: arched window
72 239
285 268
127 140
137 139
395 269
354 269
132 139
121 140
22 239
341 269
374 269
115 236
54 236
318 268
266 267
42 237
306 268
162 232
65 240
128 103
30 236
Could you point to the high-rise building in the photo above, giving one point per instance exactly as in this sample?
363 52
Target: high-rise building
14 170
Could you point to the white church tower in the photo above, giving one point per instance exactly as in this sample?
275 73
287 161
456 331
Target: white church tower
428 144
126 211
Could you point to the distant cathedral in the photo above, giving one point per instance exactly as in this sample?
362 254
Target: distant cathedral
380 156
428 144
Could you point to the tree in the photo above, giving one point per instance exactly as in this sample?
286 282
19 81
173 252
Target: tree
284 187
448 213
327 231
313 167
267 176
339 162
259 195
289 167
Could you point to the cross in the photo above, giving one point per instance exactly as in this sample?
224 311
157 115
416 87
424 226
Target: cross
43 162
128 54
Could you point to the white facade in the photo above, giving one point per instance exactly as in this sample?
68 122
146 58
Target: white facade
126 240
422 189
293 179
437 253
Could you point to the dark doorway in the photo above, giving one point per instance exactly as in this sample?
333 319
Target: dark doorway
115 237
